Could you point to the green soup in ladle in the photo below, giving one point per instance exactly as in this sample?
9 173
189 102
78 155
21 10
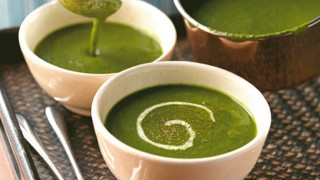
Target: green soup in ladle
99 10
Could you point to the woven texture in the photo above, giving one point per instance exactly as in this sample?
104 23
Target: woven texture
292 150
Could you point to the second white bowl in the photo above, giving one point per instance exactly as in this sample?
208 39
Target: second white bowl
75 90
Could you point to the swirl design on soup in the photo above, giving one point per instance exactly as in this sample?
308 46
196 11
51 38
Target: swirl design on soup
187 126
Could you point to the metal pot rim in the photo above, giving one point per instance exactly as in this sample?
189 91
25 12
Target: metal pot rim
242 37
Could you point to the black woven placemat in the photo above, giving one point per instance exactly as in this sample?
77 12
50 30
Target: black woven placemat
292 150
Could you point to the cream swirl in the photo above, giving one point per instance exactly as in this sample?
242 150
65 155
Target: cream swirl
192 134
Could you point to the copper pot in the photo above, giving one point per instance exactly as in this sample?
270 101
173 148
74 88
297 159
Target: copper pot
270 63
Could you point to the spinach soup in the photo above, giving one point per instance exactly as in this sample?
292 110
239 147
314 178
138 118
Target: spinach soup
253 18
120 46
181 121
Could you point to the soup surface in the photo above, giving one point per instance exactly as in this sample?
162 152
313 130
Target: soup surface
181 121
254 18
119 47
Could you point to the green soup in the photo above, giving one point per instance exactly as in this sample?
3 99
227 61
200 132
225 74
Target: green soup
181 121
253 18
119 47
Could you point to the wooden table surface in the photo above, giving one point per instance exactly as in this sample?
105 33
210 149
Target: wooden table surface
6 172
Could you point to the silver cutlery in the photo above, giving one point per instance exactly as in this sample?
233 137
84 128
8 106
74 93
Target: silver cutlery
57 122
31 136
18 153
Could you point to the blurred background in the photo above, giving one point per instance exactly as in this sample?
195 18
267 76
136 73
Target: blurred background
12 12
166 6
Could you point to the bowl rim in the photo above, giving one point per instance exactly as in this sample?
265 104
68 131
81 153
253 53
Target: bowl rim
242 37
100 129
25 48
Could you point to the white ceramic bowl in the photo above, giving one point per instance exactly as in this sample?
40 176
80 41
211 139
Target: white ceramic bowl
76 90
129 163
